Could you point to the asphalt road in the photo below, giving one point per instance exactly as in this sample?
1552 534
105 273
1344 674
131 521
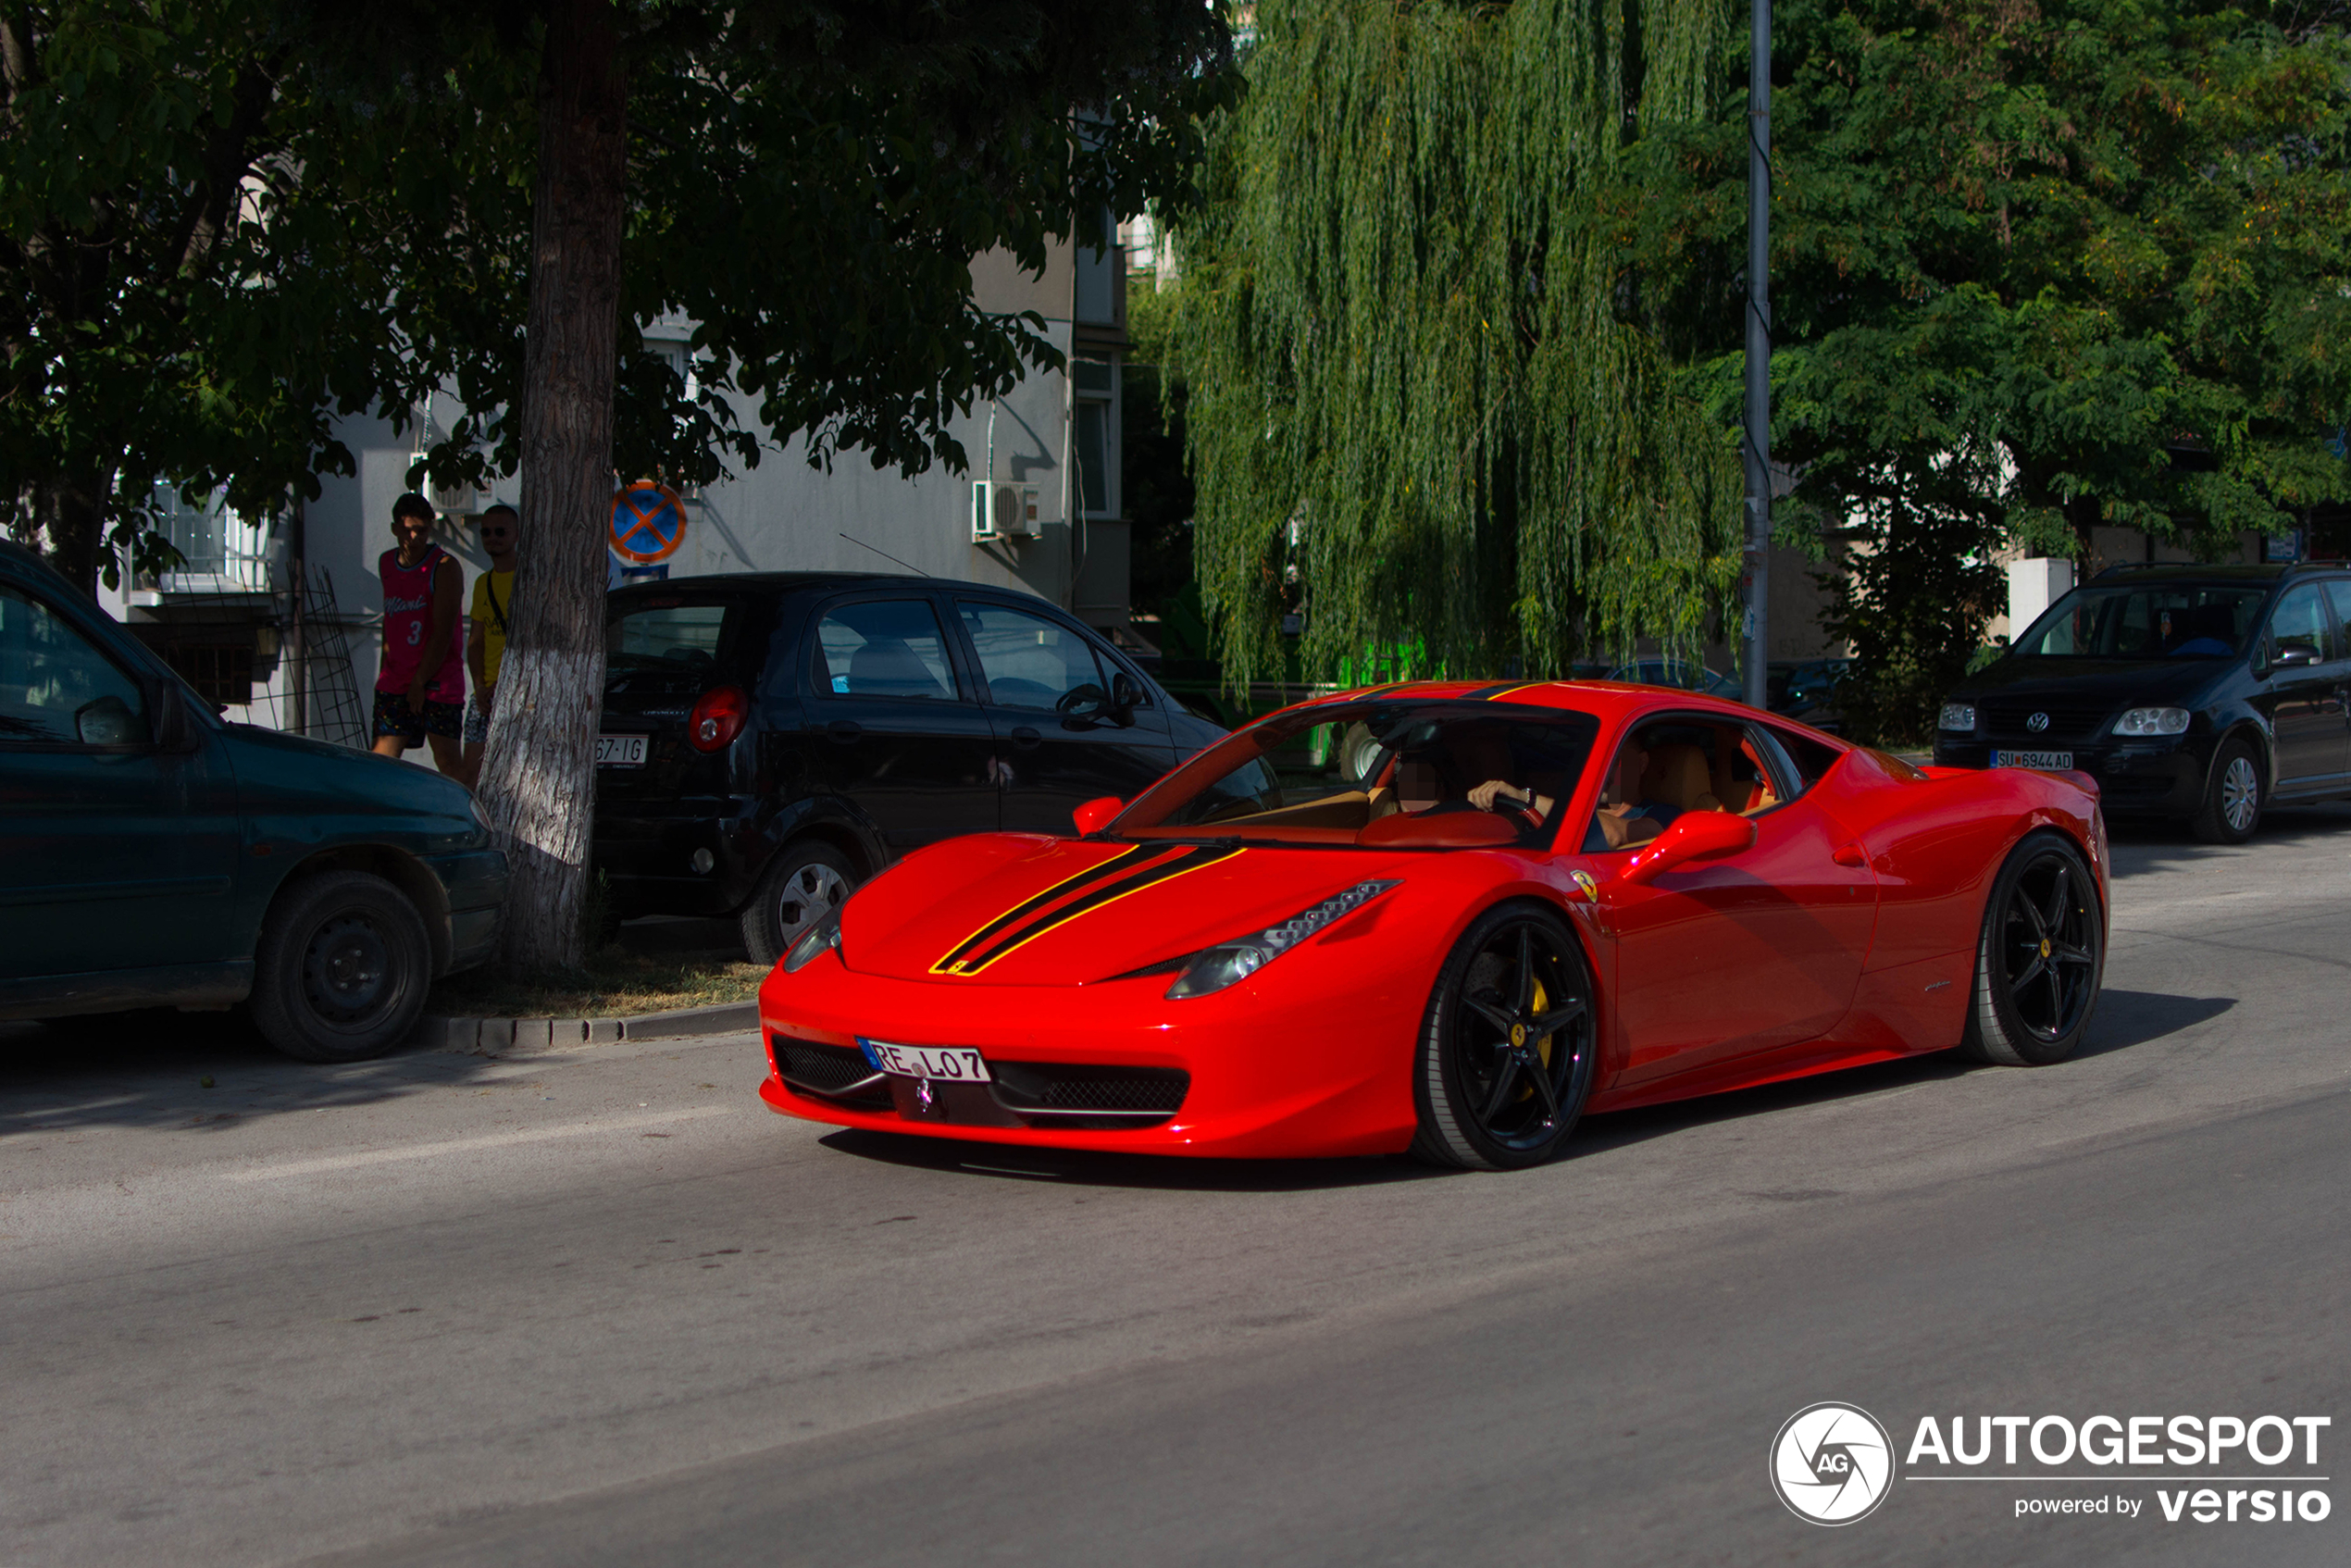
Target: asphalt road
605 1309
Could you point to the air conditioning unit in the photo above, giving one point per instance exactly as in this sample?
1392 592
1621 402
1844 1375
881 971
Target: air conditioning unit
458 500
1002 511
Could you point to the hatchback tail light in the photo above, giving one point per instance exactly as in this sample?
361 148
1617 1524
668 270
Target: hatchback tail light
717 718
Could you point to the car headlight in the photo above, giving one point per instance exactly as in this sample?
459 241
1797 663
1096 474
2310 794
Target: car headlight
2152 721
1230 963
481 818
824 934
1960 717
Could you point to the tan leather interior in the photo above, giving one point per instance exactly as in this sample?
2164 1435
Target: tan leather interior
1677 775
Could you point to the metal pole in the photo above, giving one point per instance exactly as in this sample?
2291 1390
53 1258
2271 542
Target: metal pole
1757 633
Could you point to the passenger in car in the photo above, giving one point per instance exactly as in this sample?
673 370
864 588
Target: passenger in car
1628 815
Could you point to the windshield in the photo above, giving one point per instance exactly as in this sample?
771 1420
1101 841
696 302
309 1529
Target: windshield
2145 621
1376 775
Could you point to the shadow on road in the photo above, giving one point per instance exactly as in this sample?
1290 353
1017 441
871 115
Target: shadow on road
2129 1018
1168 1172
148 1069
2142 847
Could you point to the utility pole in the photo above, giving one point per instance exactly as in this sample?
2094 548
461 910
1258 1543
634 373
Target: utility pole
1757 576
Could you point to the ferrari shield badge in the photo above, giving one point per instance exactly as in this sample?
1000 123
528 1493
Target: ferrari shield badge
1584 880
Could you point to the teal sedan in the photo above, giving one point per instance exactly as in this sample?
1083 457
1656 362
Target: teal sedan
152 855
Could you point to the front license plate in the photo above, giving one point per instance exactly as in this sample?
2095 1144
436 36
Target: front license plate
620 751
943 1064
2059 761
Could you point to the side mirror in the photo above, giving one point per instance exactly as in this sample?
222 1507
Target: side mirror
1125 697
2294 653
110 721
1095 814
1694 835
1083 705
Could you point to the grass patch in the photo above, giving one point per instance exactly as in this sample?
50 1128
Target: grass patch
616 983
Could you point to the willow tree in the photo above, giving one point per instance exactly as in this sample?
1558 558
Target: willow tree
1421 414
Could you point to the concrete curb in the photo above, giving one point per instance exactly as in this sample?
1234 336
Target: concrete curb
529 1037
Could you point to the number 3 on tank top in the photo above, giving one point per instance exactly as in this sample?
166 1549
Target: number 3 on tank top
415 633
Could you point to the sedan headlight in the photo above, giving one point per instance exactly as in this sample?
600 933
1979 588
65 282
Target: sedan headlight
2152 721
1230 962
824 934
1958 717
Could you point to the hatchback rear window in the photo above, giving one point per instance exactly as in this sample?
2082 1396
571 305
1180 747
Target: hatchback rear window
668 636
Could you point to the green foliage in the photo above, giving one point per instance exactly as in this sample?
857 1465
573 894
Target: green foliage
1415 412
222 222
2036 267
171 312
807 184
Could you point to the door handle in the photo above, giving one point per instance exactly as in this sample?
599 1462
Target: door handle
1850 854
1025 738
844 730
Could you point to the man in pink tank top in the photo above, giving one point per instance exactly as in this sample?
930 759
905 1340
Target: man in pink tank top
420 693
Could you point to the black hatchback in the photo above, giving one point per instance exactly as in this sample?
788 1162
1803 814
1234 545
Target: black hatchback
2199 693
770 740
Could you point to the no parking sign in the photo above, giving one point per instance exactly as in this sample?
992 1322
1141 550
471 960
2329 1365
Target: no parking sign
647 523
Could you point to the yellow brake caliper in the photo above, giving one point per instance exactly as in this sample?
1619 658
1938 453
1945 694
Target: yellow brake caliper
1540 1005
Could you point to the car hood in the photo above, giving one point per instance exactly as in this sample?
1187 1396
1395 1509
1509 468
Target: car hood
1022 909
273 764
2123 680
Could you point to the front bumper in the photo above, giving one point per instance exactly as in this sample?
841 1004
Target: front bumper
1272 1073
2150 778
474 882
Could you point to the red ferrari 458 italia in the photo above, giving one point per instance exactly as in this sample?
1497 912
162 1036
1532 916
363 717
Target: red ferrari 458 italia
1449 918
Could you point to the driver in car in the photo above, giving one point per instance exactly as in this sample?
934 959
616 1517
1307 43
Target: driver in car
1625 817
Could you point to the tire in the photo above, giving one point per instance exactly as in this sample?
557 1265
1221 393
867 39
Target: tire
1507 1048
342 969
2234 799
806 878
2040 959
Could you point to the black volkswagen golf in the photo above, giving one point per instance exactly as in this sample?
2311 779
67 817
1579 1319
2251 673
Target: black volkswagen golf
770 740
2194 692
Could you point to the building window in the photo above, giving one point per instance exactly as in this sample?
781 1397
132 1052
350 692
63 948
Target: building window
1094 438
221 672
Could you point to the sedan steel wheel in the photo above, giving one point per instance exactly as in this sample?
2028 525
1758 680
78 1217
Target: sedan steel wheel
2240 794
1522 1036
2048 945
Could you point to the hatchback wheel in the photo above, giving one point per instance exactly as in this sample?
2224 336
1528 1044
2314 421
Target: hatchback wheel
805 882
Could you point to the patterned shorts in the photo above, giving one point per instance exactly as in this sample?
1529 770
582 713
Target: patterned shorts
476 722
394 716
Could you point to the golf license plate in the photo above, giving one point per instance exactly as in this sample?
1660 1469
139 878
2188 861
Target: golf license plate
620 751
942 1063
2058 761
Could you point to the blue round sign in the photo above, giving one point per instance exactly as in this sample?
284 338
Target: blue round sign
647 523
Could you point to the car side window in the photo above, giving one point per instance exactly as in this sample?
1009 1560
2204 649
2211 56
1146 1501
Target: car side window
1027 661
57 688
1810 758
2300 621
883 647
2339 595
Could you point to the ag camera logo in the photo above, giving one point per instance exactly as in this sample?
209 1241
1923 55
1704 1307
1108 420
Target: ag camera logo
1832 1464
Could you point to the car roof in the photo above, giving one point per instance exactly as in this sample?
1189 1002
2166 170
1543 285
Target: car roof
796 582
1610 700
2188 571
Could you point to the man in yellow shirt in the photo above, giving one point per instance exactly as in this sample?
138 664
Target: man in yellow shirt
486 643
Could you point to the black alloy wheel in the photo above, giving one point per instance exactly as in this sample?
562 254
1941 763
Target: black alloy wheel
1507 1048
2041 959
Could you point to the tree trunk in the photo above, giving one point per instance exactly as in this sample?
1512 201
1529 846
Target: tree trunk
539 774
